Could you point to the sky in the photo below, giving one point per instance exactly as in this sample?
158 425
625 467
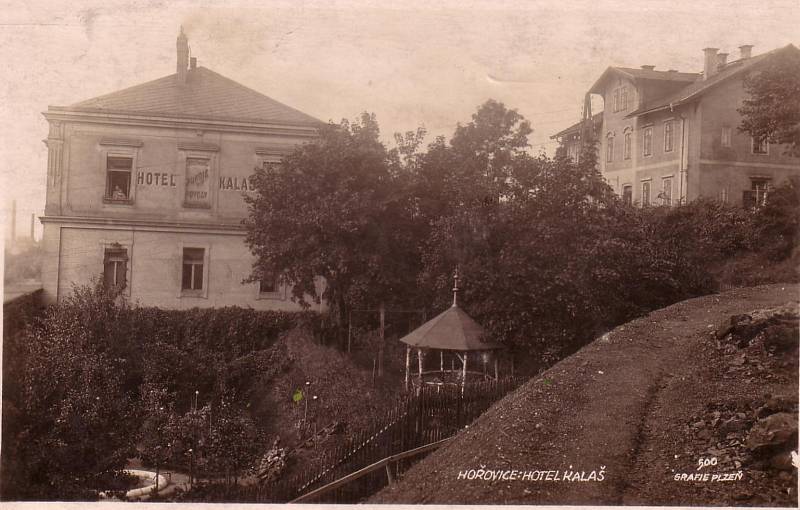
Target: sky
413 63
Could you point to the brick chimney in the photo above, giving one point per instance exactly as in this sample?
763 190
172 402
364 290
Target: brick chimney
183 56
710 64
745 50
722 59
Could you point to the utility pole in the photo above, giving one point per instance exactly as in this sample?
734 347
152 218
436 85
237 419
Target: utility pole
383 339
13 220
587 127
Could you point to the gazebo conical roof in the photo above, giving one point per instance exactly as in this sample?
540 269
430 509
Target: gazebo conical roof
452 330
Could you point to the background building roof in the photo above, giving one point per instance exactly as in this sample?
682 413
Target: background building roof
701 86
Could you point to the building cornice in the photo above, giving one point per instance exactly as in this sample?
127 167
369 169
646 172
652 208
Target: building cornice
146 225
65 114
749 164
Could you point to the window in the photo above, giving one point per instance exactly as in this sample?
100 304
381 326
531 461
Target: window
572 152
647 141
626 146
609 149
624 98
192 277
627 194
115 267
757 195
616 100
666 191
268 284
668 136
760 145
725 139
118 178
645 193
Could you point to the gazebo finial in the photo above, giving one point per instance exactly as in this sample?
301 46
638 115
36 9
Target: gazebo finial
455 287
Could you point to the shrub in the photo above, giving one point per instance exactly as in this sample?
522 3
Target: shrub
92 368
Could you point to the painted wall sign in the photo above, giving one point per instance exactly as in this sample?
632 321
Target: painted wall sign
197 181
156 179
236 184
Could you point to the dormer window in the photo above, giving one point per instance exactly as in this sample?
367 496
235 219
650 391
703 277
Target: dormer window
118 178
725 138
624 98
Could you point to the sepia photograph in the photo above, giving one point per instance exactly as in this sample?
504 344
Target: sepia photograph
381 252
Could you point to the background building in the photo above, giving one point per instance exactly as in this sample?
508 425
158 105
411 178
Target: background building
145 186
669 137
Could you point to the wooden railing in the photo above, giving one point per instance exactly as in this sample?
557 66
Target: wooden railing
430 415
383 463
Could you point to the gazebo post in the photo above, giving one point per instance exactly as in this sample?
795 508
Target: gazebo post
419 358
464 372
441 362
408 363
496 377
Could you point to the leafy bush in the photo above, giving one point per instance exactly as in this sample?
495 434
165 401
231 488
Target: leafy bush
94 371
76 419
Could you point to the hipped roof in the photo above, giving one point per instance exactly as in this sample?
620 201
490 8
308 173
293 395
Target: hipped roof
203 95
452 330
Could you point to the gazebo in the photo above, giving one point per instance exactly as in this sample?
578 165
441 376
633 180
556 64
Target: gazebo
452 330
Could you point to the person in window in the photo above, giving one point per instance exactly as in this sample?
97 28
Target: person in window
118 194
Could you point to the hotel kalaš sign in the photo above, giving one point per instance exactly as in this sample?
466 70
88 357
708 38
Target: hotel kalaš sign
197 182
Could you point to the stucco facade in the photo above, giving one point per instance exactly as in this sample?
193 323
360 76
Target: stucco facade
145 189
669 137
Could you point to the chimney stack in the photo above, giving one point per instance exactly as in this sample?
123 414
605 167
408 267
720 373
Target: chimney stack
193 63
648 67
722 59
183 56
744 51
710 64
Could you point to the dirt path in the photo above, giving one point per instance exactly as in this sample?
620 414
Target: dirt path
616 413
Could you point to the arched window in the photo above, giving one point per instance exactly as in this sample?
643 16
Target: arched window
609 148
626 144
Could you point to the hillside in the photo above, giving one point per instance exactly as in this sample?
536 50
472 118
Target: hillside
635 410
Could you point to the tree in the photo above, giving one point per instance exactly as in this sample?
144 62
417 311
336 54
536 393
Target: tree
772 111
337 209
155 445
233 440
78 421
